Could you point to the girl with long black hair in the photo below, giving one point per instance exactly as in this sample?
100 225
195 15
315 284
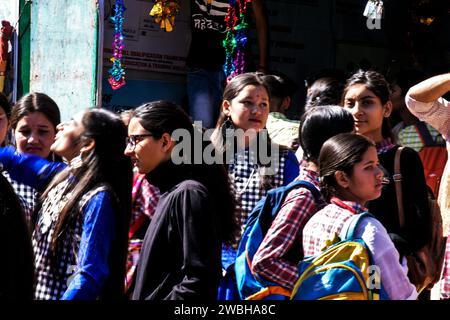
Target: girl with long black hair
181 251
80 233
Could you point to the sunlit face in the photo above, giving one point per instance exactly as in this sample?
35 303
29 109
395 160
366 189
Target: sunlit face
34 134
367 110
146 152
68 138
249 109
365 183
4 124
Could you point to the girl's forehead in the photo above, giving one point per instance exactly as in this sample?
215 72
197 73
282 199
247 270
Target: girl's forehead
358 89
135 124
254 89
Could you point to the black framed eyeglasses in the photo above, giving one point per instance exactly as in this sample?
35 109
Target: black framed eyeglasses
134 139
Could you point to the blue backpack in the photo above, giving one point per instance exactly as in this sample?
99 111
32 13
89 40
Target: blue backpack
249 285
344 270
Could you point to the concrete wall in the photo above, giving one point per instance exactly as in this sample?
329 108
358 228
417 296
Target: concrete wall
63 52
301 41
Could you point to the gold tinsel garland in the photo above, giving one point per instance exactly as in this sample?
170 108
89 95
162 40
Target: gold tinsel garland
164 12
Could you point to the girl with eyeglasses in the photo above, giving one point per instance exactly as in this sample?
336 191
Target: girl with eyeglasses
144 198
180 254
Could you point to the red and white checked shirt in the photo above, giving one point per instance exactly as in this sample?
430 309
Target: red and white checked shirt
144 198
286 230
332 219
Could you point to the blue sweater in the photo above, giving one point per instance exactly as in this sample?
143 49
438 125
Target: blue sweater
98 230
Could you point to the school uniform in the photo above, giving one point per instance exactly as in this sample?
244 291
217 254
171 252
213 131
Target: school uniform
180 254
332 219
85 265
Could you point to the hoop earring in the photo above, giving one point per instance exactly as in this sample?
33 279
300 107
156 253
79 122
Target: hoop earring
227 133
226 126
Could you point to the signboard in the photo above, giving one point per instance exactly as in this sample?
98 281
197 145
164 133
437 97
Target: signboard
147 47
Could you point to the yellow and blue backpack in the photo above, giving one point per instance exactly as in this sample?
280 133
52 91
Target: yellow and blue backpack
344 270
250 286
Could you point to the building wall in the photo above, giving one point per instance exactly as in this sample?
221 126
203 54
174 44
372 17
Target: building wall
306 37
63 52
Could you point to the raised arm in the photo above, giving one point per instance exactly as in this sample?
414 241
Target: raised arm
29 169
431 89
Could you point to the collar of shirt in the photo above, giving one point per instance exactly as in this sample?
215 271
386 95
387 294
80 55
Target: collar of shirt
278 115
384 145
282 116
310 176
354 207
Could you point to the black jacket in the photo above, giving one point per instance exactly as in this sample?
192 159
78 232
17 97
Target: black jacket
180 255
415 234
17 262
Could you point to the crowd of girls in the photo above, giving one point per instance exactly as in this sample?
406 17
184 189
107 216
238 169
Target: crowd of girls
79 228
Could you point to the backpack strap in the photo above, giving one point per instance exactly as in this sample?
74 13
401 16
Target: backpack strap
424 134
275 199
398 187
350 228
305 184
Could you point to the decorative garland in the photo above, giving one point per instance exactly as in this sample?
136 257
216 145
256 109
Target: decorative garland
6 32
164 12
117 72
236 38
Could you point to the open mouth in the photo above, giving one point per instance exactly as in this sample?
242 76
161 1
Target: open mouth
33 149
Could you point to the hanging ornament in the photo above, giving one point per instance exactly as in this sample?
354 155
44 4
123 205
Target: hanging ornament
235 38
427 20
6 32
164 12
117 72
374 9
